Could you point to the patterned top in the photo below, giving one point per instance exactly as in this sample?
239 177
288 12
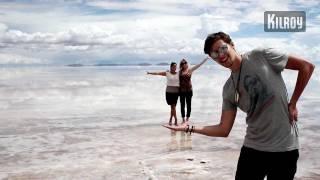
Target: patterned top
185 82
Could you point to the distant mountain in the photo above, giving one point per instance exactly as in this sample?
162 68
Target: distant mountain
109 64
162 64
75 65
144 64
114 64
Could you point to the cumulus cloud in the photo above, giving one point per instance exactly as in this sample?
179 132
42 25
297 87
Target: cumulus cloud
177 7
160 34
146 29
3 28
76 38
214 23
287 45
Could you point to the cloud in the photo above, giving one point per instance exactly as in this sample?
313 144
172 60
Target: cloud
73 37
214 23
155 35
141 29
310 38
176 7
287 45
3 28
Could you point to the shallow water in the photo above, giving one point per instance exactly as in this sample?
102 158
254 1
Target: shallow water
105 123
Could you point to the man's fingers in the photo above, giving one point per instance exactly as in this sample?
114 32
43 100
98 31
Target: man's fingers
291 117
296 117
167 126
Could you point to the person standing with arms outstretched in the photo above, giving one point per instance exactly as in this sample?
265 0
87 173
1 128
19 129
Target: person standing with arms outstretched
256 86
172 90
186 91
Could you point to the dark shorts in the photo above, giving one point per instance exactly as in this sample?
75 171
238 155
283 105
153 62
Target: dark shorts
254 164
172 98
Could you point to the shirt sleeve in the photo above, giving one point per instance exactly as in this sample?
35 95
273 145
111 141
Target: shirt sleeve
228 96
276 59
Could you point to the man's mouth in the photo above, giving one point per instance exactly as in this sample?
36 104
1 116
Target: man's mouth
226 62
224 59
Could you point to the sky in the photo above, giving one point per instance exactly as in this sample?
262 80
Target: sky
135 31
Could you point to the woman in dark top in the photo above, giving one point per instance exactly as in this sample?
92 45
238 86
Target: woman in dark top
186 93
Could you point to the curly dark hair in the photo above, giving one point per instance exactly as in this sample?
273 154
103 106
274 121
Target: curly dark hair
172 64
212 38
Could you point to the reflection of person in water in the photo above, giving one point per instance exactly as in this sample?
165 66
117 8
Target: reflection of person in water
258 92
184 143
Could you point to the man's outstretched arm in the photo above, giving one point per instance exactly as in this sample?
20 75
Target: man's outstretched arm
220 130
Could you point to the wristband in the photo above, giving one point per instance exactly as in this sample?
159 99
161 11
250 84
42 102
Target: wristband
187 129
192 130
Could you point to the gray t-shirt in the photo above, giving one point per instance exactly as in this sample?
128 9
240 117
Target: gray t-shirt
263 96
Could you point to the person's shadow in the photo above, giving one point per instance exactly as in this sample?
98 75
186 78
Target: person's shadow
180 141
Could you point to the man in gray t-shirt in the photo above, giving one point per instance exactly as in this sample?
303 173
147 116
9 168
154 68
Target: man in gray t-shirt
256 86
263 96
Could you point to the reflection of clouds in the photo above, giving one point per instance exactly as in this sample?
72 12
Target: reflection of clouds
57 91
18 59
62 91
15 73
102 116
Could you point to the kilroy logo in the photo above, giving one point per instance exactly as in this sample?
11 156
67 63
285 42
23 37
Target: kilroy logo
284 21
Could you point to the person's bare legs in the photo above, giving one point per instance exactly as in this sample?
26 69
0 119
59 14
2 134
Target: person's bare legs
173 114
187 120
170 119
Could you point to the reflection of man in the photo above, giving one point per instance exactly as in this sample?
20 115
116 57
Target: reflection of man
256 86
258 92
184 143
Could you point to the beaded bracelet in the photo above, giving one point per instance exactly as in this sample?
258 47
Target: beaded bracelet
192 129
187 129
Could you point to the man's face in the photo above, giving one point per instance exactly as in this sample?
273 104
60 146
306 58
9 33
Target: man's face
222 53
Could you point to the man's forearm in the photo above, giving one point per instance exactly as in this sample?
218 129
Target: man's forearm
302 80
215 130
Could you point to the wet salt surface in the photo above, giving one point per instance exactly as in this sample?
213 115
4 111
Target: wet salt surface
100 123
139 152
